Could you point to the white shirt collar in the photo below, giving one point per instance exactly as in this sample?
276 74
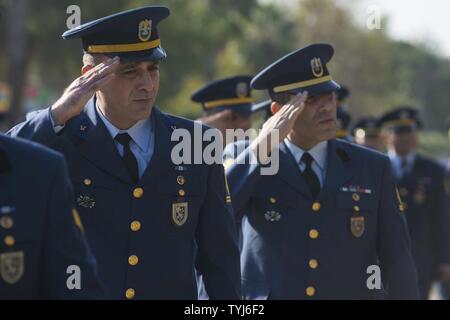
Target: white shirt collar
410 157
318 152
140 132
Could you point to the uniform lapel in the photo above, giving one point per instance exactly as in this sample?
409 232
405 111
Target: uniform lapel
289 172
6 183
409 179
97 145
161 160
340 169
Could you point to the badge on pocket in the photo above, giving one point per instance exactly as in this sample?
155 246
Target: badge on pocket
357 226
12 266
179 213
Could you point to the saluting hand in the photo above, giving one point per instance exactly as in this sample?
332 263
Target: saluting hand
78 93
283 121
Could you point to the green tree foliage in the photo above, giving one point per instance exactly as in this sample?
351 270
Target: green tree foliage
208 39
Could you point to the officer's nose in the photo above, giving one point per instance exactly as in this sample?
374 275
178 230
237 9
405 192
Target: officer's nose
327 103
145 81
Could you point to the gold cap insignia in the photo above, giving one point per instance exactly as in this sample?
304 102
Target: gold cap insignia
403 115
316 67
242 90
145 30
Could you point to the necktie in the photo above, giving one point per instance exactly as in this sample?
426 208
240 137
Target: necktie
129 160
309 175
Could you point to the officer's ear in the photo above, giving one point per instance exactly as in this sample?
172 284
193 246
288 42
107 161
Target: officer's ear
275 107
86 68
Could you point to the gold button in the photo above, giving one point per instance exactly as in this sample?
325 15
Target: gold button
313 234
356 208
10 241
310 291
6 222
403 206
316 206
313 264
180 180
356 197
272 200
138 193
135 225
133 260
181 193
87 182
130 293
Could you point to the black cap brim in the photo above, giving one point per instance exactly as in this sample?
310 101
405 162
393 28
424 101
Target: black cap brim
264 105
317 89
403 129
245 109
156 54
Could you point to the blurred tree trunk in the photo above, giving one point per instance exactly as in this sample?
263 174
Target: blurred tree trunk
17 56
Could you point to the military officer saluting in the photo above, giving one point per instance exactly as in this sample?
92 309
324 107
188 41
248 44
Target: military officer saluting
367 132
41 235
149 220
420 183
312 230
226 103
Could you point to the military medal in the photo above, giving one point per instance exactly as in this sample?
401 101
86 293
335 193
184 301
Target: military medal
85 201
272 216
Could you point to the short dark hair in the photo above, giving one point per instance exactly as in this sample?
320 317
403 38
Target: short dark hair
281 98
93 58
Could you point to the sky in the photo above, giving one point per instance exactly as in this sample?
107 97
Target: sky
415 20
424 21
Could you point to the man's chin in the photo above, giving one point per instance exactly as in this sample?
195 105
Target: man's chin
141 110
328 135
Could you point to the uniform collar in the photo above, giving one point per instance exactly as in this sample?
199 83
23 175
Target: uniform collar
318 152
140 132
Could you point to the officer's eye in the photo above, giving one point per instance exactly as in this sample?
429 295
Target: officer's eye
154 67
129 72
312 99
